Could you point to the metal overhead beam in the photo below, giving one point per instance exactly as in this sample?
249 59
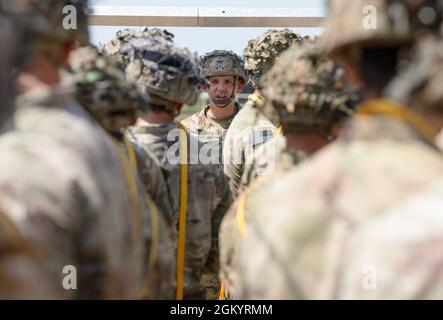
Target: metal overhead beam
205 17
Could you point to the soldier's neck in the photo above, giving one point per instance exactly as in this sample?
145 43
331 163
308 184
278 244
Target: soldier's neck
152 117
38 72
305 142
217 113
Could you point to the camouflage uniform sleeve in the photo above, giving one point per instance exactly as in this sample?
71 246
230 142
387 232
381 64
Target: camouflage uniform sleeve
240 161
21 275
234 159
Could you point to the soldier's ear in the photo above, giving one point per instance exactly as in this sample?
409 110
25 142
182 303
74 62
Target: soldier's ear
66 50
240 86
352 70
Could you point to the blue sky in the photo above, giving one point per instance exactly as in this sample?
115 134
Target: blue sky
206 39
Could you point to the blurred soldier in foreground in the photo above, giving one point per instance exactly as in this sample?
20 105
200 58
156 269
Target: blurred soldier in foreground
20 273
308 96
334 236
250 128
103 90
62 183
166 76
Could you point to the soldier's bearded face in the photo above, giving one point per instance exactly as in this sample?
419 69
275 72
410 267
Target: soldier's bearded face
221 89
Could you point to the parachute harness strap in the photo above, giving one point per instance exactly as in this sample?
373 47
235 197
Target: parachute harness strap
132 187
385 107
133 196
222 291
12 232
241 226
183 210
256 99
241 221
152 208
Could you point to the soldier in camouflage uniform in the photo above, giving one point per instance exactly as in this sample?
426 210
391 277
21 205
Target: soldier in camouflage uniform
62 182
103 90
225 75
291 85
20 274
167 77
250 128
308 96
333 236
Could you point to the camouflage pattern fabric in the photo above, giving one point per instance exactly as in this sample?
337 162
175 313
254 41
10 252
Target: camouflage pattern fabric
103 90
305 92
122 37
418 84
326 243
247 132
44 20
231 233
378 23
222 63
208 128
84 207
262 52
208 199
163 73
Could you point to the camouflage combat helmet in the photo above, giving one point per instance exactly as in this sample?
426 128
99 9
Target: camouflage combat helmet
113 46
51 21
419 85
378 23
222 63
163 73
261 52
306 92
103 90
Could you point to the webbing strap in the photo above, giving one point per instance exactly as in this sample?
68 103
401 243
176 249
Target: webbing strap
221 296
132 187
155 220
183 210
385 107
241 222
12 232
258 100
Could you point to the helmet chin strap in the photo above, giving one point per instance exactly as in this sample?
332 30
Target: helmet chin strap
226 102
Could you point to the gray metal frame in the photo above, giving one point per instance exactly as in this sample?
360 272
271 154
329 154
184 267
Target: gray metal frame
205 17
